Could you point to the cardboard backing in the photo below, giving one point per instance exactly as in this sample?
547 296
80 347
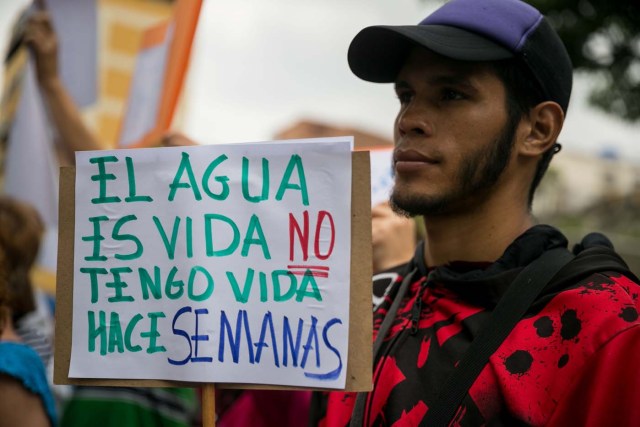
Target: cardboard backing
359 364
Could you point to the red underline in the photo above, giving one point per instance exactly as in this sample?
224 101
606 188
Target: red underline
309 273
309 267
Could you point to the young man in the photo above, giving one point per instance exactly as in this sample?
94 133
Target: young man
484 86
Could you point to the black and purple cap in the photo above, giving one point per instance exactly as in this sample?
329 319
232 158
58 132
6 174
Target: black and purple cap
471 30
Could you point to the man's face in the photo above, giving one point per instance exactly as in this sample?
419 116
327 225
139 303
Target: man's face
452 142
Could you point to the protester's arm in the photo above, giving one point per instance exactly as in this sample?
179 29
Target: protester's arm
393 238
73 134
608 390
20 407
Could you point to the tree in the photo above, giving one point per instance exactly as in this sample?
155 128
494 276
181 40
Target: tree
602 37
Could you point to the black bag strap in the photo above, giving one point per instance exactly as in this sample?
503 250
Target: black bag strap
357 417
513 305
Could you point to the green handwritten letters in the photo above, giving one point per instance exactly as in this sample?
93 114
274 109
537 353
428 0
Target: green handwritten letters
184 260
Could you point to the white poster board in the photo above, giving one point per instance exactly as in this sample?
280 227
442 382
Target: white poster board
224 263
381 175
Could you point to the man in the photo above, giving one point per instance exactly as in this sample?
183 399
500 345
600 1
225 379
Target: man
484 87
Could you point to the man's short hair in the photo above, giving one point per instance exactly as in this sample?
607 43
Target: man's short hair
522 94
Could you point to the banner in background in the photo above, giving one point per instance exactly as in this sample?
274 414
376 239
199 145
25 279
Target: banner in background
76 23
164 52
31 166
146 86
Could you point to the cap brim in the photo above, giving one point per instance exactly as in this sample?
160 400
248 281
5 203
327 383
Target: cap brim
377 53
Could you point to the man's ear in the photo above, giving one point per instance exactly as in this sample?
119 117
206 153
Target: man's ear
540 128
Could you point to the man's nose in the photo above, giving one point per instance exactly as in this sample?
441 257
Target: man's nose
413 120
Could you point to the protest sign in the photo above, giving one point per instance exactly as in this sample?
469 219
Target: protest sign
212 264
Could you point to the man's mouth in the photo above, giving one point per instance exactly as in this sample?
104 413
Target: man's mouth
407 160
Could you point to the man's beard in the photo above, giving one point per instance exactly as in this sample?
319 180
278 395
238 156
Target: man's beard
477 175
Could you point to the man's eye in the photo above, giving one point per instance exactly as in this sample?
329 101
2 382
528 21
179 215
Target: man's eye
404 97
452 95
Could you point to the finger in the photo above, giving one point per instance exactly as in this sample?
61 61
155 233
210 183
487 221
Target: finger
375 228
46 20
35 38
376 213
31 39
176 139
40 4
381 210
43 19
379 234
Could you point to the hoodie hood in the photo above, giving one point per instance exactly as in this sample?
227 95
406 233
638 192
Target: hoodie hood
485 283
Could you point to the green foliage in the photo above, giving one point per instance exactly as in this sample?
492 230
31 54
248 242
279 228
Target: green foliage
602 37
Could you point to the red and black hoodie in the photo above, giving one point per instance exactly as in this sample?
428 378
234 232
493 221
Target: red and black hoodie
572 360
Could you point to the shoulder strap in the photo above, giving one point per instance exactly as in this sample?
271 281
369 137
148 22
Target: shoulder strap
357 417
597 259
510 309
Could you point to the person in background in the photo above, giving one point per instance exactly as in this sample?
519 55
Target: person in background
71 132
25 397
393 240
393 237
91 406
29 318
483 89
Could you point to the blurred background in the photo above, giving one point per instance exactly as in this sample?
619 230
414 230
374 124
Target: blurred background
259 70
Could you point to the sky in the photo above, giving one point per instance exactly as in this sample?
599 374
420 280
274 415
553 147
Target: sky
258 66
